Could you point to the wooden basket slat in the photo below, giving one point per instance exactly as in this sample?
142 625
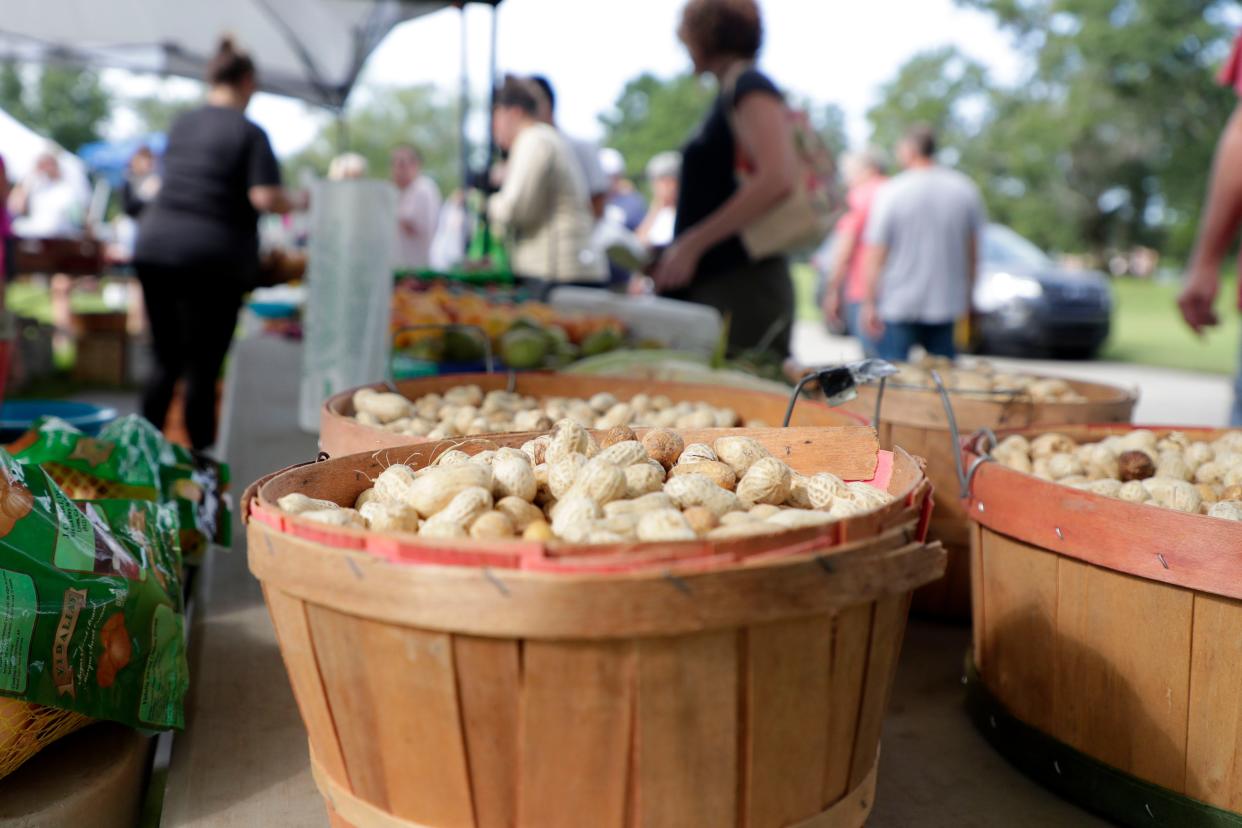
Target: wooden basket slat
1214 735
888 624
1123 670
1019 596
687 730
489 684
850 646
788 675
577 705
397 688
298 652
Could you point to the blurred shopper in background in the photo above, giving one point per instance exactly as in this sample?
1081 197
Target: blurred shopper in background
922 253
1218 226
845 276
418 208
663 175
626 204
141 184
348 166
542 204
198 243
707 262
586 152
6 228
46 203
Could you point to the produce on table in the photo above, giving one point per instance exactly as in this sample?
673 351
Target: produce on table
683 366
1171 471
980 376
467 411
523 333
566 486
92 613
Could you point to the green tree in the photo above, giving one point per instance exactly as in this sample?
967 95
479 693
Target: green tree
380 118
67 105
654 114
1114 126
157 112
936 88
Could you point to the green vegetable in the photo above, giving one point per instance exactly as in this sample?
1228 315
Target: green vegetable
524 348
601 342
463 346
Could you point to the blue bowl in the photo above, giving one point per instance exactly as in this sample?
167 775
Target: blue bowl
274 310
17 416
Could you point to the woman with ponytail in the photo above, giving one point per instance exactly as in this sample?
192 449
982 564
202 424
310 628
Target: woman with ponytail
198 243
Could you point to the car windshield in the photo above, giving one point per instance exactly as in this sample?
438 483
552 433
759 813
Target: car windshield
1004 247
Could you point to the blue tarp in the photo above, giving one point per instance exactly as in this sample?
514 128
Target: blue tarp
109 159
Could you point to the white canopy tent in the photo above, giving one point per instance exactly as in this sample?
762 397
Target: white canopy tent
21 147
308 49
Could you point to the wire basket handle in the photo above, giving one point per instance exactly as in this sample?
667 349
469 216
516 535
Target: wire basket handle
839 383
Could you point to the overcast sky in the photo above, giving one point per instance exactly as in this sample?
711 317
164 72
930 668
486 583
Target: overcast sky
828 50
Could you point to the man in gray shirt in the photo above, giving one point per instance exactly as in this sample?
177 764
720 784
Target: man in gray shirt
922 237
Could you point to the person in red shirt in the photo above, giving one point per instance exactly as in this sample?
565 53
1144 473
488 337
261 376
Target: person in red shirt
847 282
1222 215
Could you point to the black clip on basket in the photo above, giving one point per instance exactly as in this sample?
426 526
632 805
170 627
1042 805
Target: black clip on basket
839 384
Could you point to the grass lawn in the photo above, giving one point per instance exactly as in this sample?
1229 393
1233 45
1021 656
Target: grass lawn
1147 328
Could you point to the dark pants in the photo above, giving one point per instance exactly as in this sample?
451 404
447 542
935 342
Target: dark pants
757 300
899 337
192 312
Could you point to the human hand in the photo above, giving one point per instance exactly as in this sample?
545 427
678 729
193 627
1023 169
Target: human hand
676 266
1197 297
870 321
832 305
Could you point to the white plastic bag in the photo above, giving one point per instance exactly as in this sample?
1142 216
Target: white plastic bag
349 281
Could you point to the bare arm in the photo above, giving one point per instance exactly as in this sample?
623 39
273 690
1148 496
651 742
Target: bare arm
874 257
841 253
1223 208
972 267
1222 213
277 199
18 199
763 132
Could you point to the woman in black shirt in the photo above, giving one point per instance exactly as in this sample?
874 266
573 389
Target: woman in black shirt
198 242
707 262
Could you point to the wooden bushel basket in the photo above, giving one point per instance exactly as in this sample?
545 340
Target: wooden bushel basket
340 434
914 418
513 683
1108 645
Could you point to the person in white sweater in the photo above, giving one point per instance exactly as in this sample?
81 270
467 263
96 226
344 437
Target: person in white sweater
543 205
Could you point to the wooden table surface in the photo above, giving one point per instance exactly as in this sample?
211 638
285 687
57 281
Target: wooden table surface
242 759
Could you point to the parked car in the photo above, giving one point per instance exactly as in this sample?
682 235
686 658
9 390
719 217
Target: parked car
1025 305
